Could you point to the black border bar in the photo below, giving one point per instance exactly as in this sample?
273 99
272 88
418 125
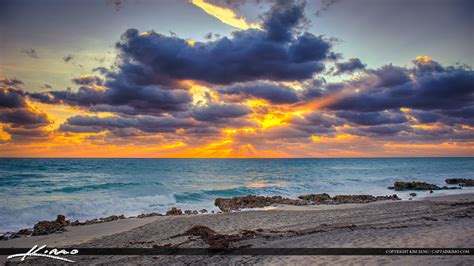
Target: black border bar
254 251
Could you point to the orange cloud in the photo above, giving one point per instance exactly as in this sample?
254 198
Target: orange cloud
225 15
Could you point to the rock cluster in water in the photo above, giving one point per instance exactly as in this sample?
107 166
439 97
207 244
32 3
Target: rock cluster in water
342 199
49 227
399 186
461 182
174 211
251 201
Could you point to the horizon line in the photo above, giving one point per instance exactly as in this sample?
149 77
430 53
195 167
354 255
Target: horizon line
245 158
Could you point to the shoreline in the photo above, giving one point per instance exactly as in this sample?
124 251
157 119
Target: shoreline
78 234
402 195
434 222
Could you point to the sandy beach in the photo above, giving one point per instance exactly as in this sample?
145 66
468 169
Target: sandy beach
434 222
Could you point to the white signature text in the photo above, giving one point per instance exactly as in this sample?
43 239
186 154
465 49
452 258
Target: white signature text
39 252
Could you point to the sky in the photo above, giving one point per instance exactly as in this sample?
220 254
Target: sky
236 79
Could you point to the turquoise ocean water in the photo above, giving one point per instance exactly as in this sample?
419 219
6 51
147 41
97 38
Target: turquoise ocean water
39 189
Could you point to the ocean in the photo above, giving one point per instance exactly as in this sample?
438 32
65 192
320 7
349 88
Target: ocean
39 189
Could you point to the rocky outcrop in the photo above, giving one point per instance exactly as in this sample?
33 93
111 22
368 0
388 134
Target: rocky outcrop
399 186
111 218
174 211
316 198
49 227
463 182
251 201
144 215
344 199
216 240
340 199
237 203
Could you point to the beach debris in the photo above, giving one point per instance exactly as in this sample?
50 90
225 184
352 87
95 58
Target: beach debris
49 227
431 191
187 212
203 211
398 186
413 194
463 182
174 211
252 201
216 240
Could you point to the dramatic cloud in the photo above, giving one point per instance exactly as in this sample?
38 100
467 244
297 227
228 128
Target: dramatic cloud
373 118
264 90
149 124
270 92
350 66
218 112
88 80
15 112
121 98
393 87
276 53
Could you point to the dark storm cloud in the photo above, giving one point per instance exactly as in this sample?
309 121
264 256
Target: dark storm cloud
277 53
23 117
281 22
426 116
11 98
148 124
15 111
88 80
276 94
372 118
147 78
31 53
316 122
136 99
219 112
350 66
450 89
466 112
379 130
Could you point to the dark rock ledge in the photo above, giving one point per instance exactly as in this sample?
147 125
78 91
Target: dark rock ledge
400 186
461 182
251 201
